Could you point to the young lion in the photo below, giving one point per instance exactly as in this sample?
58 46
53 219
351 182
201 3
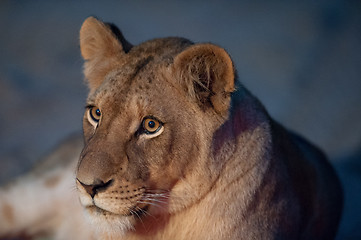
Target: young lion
175 148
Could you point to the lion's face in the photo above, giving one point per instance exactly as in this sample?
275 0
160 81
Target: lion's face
147 134
141 138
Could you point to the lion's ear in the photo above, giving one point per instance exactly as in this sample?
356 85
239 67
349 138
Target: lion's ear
101 46
207 73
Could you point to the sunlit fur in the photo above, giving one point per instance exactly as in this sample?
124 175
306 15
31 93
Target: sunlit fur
219 168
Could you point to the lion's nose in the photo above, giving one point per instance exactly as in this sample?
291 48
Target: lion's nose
96 187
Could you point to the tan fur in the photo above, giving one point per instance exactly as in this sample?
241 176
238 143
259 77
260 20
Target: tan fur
218 168
52 181
8 213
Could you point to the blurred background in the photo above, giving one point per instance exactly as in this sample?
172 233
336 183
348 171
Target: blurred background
301 59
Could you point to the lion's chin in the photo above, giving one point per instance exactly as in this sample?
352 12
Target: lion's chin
107 224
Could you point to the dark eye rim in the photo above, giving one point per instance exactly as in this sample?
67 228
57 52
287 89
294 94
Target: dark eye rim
151 132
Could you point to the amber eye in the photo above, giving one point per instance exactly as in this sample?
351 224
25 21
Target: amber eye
151 125
94 115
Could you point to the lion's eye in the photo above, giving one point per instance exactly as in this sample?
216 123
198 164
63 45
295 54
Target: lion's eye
151 125
94 115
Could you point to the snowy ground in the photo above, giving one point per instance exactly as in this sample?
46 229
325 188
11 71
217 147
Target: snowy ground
302 59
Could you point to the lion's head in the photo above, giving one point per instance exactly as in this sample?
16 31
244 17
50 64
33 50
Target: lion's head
150 118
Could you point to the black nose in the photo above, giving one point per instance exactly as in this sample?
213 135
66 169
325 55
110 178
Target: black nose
96 187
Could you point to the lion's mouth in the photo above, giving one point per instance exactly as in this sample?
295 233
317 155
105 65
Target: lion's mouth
136 211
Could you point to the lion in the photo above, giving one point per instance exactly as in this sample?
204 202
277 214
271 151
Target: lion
174 147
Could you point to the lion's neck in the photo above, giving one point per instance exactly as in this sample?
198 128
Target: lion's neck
248 127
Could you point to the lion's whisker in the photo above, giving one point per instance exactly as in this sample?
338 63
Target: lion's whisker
152 204
145 212
154 200
135 212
